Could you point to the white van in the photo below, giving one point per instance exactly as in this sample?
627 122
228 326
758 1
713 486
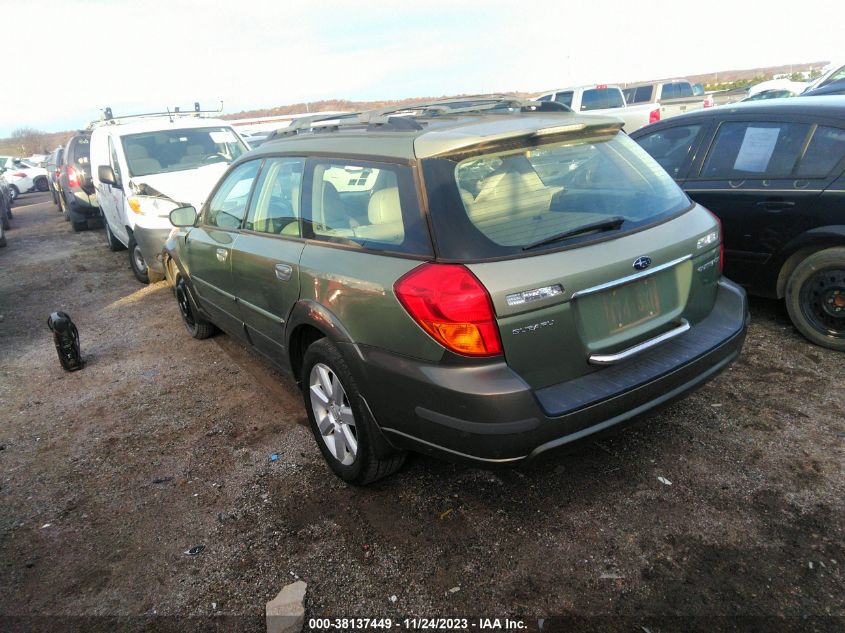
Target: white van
146 166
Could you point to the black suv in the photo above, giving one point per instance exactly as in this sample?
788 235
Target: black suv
77 196
774 173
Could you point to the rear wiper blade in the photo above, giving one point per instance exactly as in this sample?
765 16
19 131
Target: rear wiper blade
602 225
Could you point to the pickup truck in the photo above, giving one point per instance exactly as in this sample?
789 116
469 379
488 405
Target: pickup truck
603 99
670 97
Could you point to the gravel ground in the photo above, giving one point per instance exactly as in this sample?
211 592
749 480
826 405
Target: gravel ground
108 475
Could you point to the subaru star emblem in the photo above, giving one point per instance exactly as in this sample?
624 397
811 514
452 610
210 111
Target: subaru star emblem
641 263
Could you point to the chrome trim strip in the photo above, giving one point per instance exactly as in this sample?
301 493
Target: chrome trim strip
213 288
630 278
612 359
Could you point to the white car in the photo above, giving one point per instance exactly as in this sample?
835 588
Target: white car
795 87
24 177
144 167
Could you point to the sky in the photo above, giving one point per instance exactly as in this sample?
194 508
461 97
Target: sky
68 59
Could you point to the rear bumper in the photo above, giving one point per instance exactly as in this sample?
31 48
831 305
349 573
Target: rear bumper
81 205
487 414
151 242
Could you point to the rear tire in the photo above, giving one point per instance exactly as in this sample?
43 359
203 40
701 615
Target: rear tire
4 220
41 183
79 226
197 327
15 192
339 420
815 298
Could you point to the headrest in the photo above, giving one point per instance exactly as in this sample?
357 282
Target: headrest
384 206
136 151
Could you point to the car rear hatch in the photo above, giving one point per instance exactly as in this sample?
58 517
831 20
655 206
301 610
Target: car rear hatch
590 252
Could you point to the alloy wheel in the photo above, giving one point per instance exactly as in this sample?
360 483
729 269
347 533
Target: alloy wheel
333 414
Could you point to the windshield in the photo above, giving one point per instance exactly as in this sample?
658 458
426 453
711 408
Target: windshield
176 150
498 203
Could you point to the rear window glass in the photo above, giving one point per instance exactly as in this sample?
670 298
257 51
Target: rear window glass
565 98
755 150
79 150
364 204
498 203
640 94
600 98
175 150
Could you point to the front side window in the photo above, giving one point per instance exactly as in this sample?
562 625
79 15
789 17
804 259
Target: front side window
227 208
275 204
176 150
115 164
371 205
503 203
755 150
601 98
670 147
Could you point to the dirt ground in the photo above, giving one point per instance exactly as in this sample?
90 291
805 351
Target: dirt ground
109 474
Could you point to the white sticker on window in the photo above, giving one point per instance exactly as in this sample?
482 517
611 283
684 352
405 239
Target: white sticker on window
223 136
758 145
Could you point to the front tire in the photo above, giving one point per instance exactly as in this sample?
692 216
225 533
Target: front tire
137 262
815 298
15 192
198 327
338 418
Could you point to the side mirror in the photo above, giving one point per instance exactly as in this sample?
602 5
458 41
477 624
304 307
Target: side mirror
106 175
183 216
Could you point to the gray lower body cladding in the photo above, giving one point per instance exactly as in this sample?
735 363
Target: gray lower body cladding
485 413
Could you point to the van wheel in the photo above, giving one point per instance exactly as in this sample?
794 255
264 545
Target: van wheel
111 240
136 260
341 425
815 298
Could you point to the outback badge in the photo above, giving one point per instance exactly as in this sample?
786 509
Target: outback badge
641 263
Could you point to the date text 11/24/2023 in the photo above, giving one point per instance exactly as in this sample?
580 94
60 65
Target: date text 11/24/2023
417 624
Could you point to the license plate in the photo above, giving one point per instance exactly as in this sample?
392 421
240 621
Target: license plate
631 305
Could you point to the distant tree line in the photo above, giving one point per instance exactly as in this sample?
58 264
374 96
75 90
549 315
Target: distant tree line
745 83
26 141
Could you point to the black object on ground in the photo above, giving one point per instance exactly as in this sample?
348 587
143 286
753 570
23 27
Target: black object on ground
66 338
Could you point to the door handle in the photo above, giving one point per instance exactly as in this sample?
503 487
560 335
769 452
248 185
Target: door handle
775 205
283 272
222 254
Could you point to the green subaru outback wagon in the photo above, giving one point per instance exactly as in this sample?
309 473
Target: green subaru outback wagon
481 280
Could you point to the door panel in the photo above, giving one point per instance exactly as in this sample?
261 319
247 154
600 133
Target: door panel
265 261
209 247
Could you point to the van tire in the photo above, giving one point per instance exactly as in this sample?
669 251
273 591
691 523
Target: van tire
113 243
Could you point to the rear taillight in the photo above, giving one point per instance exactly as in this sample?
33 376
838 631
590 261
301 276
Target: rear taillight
452 306
20 174
721 242
708 102
654 115
72 178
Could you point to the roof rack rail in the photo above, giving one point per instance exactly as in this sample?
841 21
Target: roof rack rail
404 117
108 118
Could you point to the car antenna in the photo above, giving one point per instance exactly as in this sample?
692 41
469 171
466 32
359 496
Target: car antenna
169 115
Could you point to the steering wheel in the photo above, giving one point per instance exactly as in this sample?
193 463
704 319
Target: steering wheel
213 157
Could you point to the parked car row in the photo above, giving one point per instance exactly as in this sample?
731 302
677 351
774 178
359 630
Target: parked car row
774 173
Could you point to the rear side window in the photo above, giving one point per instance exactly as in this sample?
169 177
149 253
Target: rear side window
600 98
365 204
668 92
498 203
824 152
670 147
755 150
